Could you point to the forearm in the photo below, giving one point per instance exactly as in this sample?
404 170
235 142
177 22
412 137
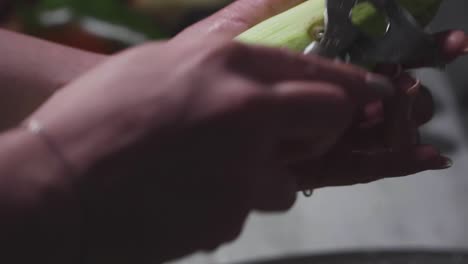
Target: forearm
31 64
32 69
39 211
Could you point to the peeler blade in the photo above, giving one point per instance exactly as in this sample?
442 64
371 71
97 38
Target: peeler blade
404 42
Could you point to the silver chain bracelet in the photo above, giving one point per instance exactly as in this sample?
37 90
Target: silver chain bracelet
35 127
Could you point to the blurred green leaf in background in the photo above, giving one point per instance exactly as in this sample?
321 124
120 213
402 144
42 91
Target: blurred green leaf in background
108 25
97 25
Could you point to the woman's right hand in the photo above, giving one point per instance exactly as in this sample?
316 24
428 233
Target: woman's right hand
177 142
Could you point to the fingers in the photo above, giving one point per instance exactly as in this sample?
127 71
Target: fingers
271 65
237 17
311 117
423 106
396 121
357 168
401 130
277 192
452 44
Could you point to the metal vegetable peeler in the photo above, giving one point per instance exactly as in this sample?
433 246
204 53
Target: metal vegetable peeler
404 42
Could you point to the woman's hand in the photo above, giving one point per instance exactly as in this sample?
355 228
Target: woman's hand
384 140
380 144
180 142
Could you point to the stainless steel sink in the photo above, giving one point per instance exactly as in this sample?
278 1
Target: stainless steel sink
376 257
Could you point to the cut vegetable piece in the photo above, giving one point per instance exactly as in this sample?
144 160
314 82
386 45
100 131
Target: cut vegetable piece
296 28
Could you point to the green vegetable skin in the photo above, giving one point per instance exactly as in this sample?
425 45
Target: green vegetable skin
294 29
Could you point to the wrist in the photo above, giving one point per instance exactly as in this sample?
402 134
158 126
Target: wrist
29 152
41 213
78 146
78 141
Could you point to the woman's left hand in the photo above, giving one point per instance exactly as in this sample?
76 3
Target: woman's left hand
379 145
384 141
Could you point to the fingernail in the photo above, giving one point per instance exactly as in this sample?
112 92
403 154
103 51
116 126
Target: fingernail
414 90
381 84
466 45
448 163
445 163
412 94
